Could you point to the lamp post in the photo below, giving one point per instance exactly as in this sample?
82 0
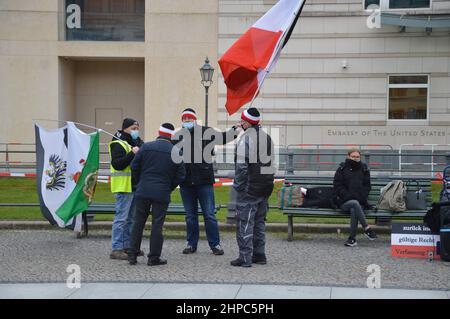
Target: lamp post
207 72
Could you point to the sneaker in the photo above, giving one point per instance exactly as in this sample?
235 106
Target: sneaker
370 234
239 263
351 242
217 250
259 259
189 250
156 261
118 254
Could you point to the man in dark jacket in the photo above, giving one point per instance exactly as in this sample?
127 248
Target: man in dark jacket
197 144
352 187
123 147
157 175
253 182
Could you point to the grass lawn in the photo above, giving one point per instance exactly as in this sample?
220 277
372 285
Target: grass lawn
23 190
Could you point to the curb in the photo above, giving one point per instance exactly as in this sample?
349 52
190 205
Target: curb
181 226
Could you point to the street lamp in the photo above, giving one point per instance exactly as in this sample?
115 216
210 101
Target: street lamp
207 72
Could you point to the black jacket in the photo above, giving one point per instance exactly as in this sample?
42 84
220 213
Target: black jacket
119 157
199 168
352 181
155 172
254 173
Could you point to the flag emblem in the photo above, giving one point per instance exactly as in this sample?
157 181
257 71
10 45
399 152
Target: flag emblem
55 179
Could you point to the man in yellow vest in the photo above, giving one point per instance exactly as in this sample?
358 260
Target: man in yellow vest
122 149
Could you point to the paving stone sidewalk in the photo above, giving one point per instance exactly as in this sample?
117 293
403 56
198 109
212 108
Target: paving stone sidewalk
313 260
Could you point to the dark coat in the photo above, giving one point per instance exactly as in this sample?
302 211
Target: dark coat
155 172
199 170
254 175
119 157
352 181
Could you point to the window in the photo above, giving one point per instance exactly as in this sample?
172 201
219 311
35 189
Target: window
399 4
408 97
409 4
106 20
367 3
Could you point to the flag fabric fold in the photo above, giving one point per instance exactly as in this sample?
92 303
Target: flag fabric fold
248 61
67 170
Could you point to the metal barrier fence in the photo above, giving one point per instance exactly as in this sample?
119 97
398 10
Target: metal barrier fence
291 159
435 155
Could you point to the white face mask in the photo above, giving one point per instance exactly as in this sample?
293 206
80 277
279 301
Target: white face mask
189 125
134 134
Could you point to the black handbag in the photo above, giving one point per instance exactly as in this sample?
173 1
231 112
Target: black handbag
320 197
415 198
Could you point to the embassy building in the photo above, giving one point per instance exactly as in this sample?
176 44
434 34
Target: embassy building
353 71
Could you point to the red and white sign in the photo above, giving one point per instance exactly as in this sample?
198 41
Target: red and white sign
412 240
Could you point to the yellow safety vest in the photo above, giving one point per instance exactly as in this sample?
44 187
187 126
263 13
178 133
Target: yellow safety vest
120 180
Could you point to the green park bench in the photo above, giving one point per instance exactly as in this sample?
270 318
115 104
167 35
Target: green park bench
377 184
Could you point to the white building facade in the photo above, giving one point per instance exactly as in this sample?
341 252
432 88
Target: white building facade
343 78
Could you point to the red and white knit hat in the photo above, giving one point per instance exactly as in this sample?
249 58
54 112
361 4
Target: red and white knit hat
189 114
167 130
251 115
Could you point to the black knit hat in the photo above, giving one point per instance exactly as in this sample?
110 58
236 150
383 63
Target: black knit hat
129 122
189 110
253 111
168 126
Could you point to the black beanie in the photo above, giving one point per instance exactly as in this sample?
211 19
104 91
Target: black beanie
128 122
189 110
253 112
168 126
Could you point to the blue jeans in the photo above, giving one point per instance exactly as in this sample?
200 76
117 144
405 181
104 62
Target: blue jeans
125 208
203 194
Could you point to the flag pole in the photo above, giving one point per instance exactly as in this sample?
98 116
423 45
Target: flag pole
81 124
273 58
257 91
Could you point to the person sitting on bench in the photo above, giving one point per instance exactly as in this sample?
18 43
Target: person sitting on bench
352 186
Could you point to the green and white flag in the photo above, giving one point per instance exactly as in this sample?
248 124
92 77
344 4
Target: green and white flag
67 171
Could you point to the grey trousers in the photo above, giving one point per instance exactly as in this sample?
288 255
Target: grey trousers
357 215
251 213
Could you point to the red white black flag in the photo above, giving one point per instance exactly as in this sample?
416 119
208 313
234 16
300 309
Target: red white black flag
245 65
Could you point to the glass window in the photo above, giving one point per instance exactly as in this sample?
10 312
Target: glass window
409 4
105 20
408 97
408 79
367 3
398 4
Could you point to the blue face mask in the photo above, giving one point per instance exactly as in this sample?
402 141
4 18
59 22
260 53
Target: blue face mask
188 125
134 134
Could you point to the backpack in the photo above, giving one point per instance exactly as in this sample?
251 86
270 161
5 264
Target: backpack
393 197
290 196
320 197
